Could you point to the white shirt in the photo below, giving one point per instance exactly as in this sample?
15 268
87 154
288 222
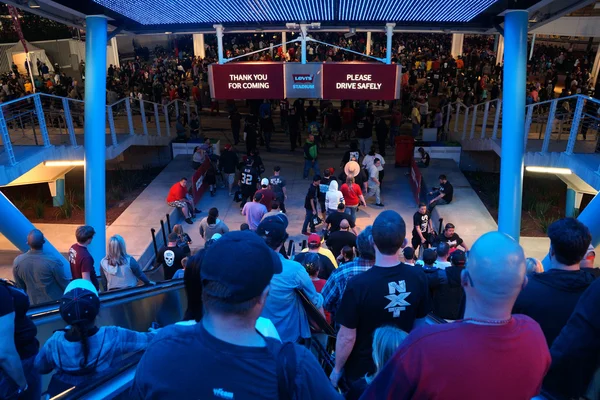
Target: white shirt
442 264
368 160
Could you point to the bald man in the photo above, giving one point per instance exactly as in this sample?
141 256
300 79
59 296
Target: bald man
490 354
344 237
40 274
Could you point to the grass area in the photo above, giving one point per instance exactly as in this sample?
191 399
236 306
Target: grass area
543 199
122 188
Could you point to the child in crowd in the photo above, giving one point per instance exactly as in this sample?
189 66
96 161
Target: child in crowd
386 340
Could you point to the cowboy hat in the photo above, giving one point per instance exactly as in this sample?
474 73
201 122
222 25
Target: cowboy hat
351 169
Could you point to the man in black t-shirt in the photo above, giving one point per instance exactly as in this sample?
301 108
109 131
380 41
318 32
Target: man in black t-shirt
333 221
425 158
343 237
421 228
390 293
310 205
248 181
451 237
236 276
441 195
170 256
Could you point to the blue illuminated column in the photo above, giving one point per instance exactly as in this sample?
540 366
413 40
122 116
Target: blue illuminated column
95 133
389 31
15 227
513 123
219 29
303 33
57 190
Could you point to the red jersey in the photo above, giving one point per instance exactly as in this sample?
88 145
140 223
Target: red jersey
196 93
267 199
347 116
464 361
177 192
319 284
351 194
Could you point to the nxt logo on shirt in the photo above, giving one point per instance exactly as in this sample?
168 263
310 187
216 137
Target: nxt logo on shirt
397 301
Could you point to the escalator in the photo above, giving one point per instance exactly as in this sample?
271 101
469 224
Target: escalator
117 383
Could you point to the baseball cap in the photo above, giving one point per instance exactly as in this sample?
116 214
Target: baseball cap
314 239
264 182
458 258
242 263
429 256
409 253
274 228
227 146
80 302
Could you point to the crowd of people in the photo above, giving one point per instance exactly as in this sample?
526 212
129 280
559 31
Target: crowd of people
536 325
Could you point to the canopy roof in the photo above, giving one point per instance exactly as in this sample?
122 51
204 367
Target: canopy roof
188 16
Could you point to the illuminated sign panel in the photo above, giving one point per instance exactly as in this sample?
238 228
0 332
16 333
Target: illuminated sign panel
303 80
365 81
246 81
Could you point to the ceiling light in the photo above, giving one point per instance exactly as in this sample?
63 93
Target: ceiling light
33 4
549 170
64 163
168 33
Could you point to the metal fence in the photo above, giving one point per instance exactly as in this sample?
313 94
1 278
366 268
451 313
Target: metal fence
47 120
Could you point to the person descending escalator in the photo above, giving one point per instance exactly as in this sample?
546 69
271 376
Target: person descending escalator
83 352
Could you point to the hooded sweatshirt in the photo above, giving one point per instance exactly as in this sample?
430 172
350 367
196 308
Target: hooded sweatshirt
106 349
208 230
333 197
550 298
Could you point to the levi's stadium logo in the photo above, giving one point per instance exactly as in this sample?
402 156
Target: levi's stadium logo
303 78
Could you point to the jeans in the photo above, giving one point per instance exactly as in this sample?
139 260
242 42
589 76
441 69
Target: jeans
268 140
440 202
308 219
34 382
394 131
365 145
374 190
308 164
351 210
416 129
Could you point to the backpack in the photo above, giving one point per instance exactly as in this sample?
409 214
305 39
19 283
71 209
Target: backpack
285 358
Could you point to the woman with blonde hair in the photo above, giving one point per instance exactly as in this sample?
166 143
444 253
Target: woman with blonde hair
119 269
386 340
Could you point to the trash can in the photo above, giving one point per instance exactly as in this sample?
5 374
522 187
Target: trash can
405 147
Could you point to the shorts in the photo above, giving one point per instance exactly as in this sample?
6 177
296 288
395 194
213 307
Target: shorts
231 178
322 206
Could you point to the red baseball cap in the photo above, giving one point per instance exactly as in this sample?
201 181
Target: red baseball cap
314 238
227 146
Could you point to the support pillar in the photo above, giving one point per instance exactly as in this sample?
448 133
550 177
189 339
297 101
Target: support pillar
500 50
513 119
15 227
596 67
457 45
283 42
368 49
114 56
303 33
219 29
389 32
95 133
57 191
532 46
199 49
570 207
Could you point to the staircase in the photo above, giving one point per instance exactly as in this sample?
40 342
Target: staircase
40 127
554 129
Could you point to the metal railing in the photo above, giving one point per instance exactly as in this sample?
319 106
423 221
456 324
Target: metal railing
567 124
48 120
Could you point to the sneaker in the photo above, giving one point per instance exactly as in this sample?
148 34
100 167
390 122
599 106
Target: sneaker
197 211
189 221
379 204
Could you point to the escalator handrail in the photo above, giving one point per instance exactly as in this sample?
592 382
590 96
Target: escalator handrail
51 309
77 392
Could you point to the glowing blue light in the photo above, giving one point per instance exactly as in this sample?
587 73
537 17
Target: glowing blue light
160 12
